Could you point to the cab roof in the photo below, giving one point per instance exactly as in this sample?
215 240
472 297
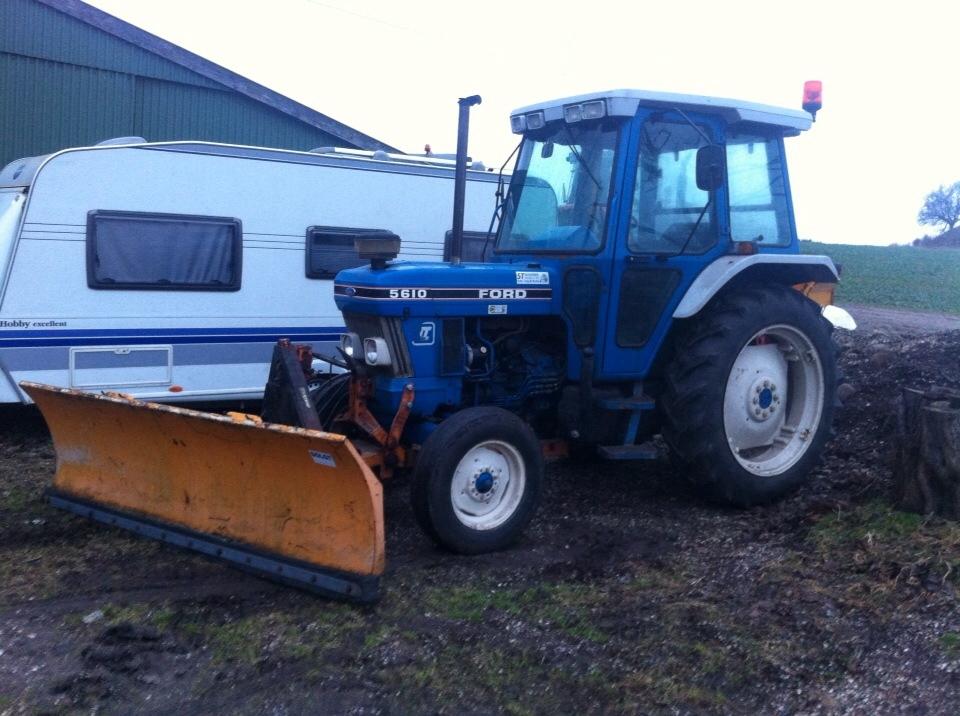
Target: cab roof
625 102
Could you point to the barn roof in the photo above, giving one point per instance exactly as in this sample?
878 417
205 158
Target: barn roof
210 70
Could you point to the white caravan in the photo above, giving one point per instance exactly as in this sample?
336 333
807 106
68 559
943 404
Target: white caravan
168 270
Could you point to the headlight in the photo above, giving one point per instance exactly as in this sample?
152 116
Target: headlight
594 110
375 351
572 113
535 120
350 345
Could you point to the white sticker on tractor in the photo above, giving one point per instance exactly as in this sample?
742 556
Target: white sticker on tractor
323 458
497 309
529 278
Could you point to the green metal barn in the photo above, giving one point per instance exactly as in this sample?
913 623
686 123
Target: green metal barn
72 75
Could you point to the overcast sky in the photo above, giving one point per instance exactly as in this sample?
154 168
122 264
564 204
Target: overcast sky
887 135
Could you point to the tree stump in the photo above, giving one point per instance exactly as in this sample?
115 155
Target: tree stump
926 470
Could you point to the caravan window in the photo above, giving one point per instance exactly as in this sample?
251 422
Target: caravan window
477 246
132 250
330 249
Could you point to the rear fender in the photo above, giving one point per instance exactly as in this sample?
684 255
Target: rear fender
815 276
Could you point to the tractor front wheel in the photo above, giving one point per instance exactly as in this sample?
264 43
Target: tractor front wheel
477 480
749 395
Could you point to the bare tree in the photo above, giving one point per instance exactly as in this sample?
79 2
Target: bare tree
942 207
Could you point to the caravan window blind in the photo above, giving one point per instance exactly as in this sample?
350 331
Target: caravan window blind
147 251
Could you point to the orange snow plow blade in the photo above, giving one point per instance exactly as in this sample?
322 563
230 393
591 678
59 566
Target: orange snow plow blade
298 506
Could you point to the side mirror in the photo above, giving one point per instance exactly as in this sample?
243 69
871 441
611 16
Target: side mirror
711 167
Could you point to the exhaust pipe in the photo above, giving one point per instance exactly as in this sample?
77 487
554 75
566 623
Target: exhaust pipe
460 177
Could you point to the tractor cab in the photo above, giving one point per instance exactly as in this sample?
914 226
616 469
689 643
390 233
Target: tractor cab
626 196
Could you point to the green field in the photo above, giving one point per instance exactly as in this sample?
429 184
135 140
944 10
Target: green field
897 276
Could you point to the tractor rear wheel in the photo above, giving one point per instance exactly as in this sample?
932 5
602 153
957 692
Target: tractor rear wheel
477 480
749 395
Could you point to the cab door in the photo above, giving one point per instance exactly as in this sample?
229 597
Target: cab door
668 229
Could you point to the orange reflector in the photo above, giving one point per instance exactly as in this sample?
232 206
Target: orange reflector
744 248
176 388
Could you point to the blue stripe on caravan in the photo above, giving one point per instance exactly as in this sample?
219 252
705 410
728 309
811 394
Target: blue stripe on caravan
271 330
135 336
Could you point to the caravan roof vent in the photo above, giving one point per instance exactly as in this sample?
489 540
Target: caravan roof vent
323 150
380 155
21 171
121 140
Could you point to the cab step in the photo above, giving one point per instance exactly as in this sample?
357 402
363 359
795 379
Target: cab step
644 451
633 403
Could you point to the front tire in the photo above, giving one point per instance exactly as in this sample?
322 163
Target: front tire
476 484
749 395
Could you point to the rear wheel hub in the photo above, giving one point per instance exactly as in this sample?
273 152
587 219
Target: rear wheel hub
763 398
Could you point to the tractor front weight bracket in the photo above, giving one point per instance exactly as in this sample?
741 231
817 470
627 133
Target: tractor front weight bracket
390 453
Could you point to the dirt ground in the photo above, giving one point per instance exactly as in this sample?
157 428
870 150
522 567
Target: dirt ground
898 320
627 595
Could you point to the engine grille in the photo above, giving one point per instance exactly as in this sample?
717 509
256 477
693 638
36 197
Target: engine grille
391 330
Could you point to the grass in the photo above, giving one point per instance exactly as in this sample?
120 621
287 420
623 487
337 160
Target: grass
566 607
514 679
34 572
37 568
243 639
294 636
708 658
895 547
667 689
18 499
511 648
896 276
950 643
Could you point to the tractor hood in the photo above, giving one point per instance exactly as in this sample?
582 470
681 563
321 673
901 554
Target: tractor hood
423 288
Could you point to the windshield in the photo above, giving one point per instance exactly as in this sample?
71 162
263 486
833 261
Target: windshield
560 189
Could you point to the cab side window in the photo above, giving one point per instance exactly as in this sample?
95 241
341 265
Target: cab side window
670 213
758 192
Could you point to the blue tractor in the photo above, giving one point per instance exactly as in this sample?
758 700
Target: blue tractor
644 288
646 279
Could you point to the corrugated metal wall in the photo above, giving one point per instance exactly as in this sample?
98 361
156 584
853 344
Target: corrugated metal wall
64 83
